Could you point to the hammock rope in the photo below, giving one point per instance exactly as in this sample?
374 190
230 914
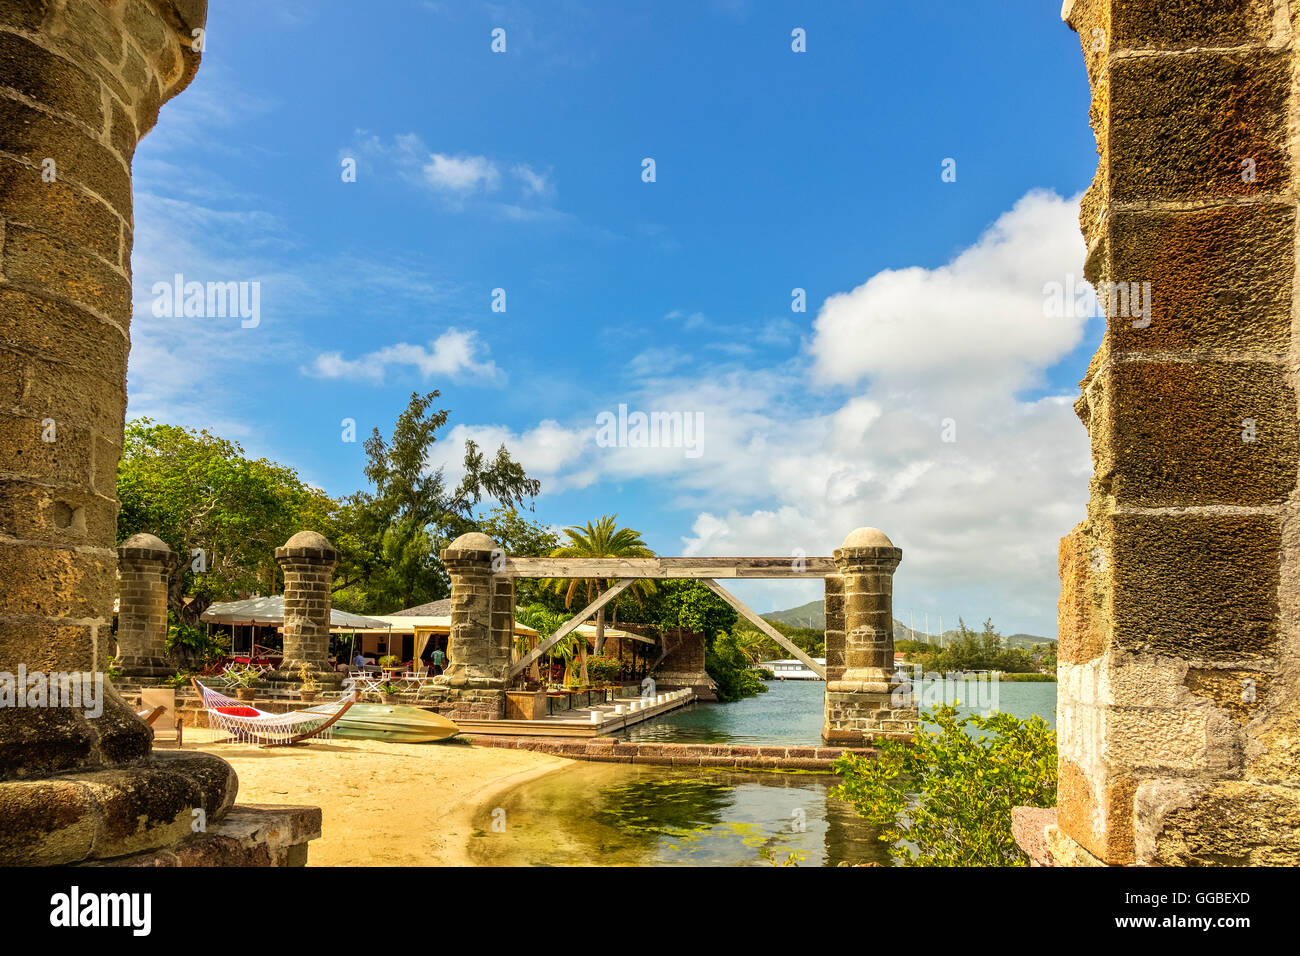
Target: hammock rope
246 724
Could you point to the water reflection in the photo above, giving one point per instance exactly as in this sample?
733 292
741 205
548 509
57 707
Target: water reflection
619 814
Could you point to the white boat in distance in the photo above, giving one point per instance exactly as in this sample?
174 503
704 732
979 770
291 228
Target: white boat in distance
791 669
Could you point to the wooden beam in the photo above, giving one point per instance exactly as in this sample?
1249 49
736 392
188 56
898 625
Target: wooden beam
765 627
791 567
567 627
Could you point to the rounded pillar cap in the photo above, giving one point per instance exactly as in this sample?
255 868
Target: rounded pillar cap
144 541
867 538
309 539
473 541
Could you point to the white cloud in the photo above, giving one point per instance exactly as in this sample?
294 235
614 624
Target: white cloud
461 174
461 180
980 316
533 181
558 456
456 354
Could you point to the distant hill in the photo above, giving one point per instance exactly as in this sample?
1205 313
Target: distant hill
813 614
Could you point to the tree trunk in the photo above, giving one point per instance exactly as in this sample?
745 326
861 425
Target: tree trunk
600 625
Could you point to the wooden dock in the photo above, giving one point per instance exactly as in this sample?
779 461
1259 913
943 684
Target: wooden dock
593 721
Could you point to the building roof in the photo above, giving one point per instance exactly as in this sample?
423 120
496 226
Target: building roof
588 630
432 609
270 611
410 623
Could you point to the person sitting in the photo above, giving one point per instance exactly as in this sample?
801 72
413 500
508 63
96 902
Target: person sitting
359 662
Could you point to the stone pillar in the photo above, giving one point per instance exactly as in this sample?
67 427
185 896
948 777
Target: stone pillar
478 648
144 563
1179 692
308 561
866 702
502 639
834 627
80 83
682 666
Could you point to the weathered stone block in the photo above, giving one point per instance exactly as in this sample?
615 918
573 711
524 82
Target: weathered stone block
1181 125
1234 823
1197 587
1178 24
1220 278
1182 433
80 160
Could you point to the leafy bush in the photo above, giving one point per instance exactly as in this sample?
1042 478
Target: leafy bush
190 642
1027 678
729 667
603 670
179 679
946 798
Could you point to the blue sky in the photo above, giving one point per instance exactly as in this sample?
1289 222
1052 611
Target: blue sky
774 170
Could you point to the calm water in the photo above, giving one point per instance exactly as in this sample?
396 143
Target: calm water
791 712
620 814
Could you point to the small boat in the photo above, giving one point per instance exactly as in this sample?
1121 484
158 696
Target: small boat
391 722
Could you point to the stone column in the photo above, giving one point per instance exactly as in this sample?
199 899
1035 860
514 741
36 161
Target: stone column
834 627
502 637
144 563
866 702
308 561
80 83
478 647
1179 662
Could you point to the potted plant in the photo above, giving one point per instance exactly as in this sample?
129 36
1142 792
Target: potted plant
390 663
245 683
309 687
388 692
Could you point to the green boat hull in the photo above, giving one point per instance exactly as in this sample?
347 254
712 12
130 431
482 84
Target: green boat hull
392 722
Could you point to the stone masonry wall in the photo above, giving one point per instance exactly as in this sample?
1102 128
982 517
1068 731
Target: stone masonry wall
308 561
1179 652
80 83
145 564
683 665
834 627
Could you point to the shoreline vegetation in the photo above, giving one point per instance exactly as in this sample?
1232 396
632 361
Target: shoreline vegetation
1028 678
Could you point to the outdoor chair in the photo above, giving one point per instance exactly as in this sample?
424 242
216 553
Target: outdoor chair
167 725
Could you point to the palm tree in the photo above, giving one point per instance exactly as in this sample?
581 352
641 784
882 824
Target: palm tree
545 622
752 644
604 539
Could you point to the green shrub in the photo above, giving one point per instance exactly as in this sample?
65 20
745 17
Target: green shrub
727 664
190 642
603 670
1027 678
945 799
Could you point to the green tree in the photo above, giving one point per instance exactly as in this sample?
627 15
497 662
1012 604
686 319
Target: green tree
729 666
390 537
945 799
604 539
519 536
199 493
810 640
546 621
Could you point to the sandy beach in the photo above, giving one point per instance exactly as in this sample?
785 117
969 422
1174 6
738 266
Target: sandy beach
383 804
